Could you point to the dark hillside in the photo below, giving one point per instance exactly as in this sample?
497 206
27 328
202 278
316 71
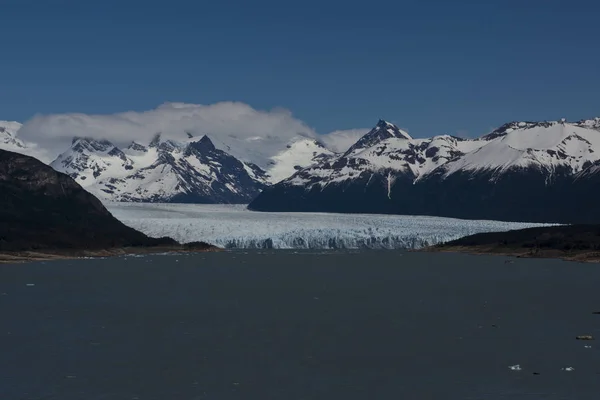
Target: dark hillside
41 209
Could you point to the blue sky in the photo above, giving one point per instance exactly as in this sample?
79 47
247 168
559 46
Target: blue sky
430 66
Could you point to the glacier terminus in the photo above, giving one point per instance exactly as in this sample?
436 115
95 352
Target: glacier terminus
234 227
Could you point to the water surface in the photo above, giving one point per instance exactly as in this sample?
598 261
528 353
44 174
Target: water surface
307 325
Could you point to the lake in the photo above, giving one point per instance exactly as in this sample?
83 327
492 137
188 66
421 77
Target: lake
299 325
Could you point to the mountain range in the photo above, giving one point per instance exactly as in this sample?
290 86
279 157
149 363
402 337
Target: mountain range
189 170
523 171
162 171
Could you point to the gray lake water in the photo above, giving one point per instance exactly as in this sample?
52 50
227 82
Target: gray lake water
284 325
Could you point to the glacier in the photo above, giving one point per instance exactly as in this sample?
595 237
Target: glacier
235 227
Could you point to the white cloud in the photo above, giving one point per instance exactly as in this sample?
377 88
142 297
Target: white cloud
33 150
9 141
245 132
340 141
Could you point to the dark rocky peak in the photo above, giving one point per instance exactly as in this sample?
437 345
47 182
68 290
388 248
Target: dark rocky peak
390 130
116 152
137 147
169 146
155 140
258 171
164 146
80 144
382 131
203 145
165 157
512 126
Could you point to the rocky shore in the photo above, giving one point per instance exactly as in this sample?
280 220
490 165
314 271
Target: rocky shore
569 242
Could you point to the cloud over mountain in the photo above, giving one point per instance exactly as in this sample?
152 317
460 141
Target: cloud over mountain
236 127
340 140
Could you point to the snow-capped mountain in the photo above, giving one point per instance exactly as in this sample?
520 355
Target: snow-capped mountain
507 174
382 131
192 171
88 160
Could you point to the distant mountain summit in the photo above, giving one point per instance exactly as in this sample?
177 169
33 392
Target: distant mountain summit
522 171
382 131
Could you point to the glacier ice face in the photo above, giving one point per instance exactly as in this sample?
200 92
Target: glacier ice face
233 226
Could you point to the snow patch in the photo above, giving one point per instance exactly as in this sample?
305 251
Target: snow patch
299 154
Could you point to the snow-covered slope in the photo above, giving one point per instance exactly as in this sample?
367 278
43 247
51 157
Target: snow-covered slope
167 171
297 155
546 146
234 227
